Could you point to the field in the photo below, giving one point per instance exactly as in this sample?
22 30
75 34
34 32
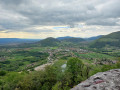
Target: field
18 59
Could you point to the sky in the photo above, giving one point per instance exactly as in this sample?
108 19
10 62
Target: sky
40 19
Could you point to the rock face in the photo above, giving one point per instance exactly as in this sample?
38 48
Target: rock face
109 80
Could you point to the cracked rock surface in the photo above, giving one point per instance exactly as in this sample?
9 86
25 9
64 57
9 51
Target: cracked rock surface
109 80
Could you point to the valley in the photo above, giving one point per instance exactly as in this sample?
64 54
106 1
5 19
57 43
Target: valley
62 61
20 59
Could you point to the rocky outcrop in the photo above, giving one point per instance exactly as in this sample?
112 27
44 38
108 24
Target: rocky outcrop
109 80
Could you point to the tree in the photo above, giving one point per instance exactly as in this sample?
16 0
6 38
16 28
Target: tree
75 67
2 73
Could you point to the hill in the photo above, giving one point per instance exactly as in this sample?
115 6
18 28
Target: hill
73 40
61 38
49 42
88 39
16 40
94 38
112 39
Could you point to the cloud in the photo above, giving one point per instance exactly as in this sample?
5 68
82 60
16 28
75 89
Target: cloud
25 15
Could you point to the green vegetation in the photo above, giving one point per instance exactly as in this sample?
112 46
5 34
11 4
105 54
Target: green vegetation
53 77
19 59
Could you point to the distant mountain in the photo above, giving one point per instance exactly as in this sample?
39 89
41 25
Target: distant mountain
49 42
61 38
88 39
94 38
16 40
112 39
73 40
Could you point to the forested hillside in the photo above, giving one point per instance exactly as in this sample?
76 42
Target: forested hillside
112 39
49 42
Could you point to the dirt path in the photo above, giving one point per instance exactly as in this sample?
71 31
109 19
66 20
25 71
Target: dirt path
42 67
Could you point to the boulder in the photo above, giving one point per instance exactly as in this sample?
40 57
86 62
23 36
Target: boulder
109 80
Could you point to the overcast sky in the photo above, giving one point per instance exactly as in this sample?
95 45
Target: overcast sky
56 18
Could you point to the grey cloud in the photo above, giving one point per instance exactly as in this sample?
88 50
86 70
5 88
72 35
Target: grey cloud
59 12
29 31
11 2
40 31
103 22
